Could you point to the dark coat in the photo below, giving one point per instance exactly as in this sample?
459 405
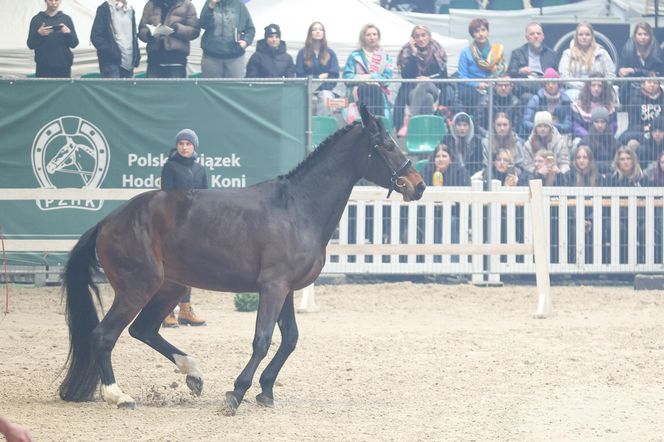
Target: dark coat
630 59
181 173
519 59
103 39
642 109
269 62
455 175
53 50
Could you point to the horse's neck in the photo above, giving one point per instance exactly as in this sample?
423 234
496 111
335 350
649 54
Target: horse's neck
332 179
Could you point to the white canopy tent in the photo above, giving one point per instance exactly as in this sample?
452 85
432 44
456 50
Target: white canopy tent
342 19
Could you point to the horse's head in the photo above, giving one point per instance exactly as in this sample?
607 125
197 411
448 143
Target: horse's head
387 165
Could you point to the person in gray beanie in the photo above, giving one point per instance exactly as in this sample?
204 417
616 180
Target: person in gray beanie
182 172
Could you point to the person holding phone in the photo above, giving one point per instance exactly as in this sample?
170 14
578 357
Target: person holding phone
422 58
52 36
545 136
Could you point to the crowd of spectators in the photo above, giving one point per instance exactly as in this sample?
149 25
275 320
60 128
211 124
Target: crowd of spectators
571 107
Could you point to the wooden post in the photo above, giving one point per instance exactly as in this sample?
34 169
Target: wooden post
308 301
540 250
476 224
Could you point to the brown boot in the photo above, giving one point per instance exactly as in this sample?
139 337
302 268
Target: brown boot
170 321
187 315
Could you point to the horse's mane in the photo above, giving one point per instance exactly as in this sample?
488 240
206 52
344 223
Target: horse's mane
324 146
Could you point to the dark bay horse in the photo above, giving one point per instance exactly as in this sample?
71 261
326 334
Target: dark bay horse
269 238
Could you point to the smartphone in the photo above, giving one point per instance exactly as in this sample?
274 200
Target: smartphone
550 160
511 170
57 27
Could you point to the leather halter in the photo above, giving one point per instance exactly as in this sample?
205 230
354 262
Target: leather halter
396 180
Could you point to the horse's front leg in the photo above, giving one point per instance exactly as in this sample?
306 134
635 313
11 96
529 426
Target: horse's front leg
272 298
289 336
145 328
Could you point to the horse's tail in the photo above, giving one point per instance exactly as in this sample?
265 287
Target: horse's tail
82 375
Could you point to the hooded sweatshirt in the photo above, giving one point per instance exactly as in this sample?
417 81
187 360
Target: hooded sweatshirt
52 50
557 145
469 148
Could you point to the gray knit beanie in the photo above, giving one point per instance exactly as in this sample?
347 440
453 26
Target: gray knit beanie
600 113
189 135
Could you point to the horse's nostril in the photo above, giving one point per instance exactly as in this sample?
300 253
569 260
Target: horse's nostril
421 187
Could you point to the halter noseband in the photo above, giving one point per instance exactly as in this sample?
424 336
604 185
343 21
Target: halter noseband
396 180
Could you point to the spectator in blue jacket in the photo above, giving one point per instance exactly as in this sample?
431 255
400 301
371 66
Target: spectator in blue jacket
114 36
549 98
228 31
317 60
478 61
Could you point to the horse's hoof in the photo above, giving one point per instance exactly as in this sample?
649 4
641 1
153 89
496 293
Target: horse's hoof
195 384
127 405
265 400
229 408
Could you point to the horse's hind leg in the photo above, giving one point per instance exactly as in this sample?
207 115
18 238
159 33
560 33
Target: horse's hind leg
269 307
289 335
146 329
104 337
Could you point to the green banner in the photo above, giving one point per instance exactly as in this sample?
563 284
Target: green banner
118 133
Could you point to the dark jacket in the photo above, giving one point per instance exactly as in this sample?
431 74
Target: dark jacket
53 50
269 62
511 105
103 39
648 151
604 146
642 109
221 39
562 114
630 59
181 16
181 173
616 180
519 59
455 175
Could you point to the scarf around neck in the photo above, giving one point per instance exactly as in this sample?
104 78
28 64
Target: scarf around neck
491 58
433 52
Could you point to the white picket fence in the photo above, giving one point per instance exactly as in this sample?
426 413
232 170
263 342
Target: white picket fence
626 234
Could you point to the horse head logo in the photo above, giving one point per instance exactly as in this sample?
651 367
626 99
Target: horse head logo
70 152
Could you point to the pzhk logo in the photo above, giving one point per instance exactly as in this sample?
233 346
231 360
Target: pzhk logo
70 152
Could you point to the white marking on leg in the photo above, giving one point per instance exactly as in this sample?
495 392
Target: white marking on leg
188 366
114 396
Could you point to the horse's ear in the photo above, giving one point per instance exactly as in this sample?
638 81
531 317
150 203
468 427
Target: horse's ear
367 118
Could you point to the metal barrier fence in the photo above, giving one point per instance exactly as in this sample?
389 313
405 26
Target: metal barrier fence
622 226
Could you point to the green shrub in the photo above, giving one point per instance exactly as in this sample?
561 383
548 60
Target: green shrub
246 302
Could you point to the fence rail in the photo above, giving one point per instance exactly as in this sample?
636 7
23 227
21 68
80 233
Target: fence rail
465 230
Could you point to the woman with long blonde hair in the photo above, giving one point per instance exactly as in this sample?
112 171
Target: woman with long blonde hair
369 62
584 57
626 171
